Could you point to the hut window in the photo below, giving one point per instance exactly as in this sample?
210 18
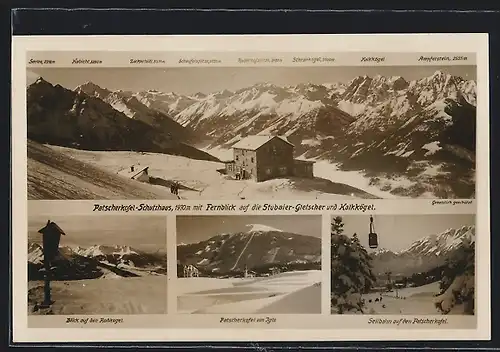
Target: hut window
268 171
283 170
252 159
237 157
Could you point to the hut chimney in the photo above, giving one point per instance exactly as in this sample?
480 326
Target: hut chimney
132 168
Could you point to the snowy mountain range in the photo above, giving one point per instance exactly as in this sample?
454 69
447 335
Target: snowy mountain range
126 103
423 129
95 118
385 127
424 254
96 261
363 103
258 245
261 108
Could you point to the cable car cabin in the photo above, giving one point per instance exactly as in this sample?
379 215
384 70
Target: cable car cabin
372 236
372 240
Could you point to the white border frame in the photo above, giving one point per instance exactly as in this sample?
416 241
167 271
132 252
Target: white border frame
477 43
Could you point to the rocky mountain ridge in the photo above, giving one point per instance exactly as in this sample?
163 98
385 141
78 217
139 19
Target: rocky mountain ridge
385 127
60 116
76 262
424 254
258 246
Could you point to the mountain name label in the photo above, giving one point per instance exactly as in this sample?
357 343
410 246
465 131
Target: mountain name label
71 320
375 59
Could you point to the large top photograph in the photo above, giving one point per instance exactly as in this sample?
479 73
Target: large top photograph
251 132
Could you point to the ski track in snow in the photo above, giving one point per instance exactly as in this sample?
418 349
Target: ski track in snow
242 251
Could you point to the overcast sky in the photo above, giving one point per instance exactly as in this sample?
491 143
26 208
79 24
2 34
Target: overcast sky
398 232
211 79
192 229
140 232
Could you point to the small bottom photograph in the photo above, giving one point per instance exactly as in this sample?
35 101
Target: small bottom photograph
97 265
249 264
403 264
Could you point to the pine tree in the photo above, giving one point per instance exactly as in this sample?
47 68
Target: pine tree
337 226
351 273
457 283
366 267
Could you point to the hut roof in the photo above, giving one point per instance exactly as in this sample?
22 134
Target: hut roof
52 225
257 141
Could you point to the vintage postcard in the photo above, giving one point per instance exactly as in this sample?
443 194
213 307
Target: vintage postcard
251 188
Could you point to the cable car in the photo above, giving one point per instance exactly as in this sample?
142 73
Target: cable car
372 236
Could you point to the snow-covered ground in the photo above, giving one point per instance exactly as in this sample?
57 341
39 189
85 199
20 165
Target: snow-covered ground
356 179
137 295
407 301
201 180
297 292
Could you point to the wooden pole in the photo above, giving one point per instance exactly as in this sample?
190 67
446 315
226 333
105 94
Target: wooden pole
46 299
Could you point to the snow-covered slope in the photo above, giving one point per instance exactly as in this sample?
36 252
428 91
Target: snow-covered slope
424 254
296 292
56 175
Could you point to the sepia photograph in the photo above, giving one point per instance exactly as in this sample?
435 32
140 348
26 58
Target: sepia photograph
249 264
93 265
403 264
286 133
